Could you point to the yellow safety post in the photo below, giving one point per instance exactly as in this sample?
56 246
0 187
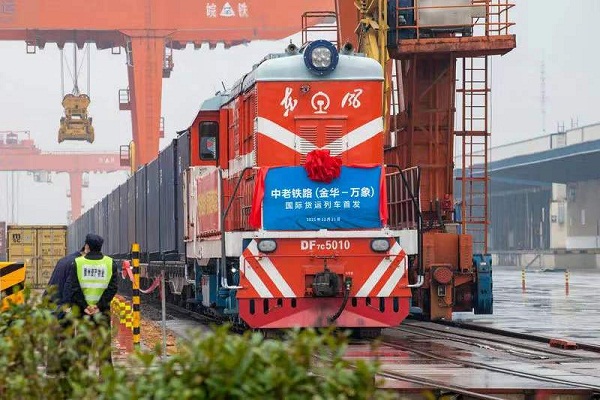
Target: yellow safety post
567 282
523 280
12 282
135 258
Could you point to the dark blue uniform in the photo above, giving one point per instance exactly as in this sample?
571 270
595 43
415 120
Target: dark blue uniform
59 277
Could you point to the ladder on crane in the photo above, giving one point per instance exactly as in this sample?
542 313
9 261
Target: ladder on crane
475 134
475 91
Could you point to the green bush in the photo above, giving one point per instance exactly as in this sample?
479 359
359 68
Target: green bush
218 365
30 340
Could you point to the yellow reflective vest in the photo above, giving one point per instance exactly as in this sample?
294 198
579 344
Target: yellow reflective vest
94 277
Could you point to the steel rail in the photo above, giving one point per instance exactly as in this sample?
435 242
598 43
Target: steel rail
462 336
488 367
434 384
513 334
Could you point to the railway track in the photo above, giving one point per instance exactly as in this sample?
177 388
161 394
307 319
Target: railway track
512 334
524 346
524 362
438 385
492 358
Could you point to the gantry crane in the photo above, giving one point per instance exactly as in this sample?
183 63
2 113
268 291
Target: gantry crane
149 30
422 44
21 154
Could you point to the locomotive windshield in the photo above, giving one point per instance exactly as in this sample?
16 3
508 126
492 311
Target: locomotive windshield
208 140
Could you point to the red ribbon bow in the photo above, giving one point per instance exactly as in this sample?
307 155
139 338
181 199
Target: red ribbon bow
322 167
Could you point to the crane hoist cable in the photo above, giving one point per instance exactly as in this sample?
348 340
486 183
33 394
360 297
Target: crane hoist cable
77 68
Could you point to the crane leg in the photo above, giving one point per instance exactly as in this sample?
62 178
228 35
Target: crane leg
75 186
348 17
145 88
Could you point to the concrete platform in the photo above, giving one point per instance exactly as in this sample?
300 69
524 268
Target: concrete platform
545 308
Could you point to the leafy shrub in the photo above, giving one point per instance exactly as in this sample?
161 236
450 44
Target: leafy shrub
30 341
218 365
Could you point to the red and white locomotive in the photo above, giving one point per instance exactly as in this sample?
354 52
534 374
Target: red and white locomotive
275 209
286 208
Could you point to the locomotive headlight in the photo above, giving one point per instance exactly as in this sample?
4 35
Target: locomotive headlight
380 245
321 57
267 245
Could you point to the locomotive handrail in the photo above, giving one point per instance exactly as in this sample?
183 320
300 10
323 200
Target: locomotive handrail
416 203
223 261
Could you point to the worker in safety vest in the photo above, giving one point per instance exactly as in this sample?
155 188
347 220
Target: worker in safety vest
92 285
57 295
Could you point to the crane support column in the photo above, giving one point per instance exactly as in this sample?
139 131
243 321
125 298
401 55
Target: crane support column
347 15
145 88
75 186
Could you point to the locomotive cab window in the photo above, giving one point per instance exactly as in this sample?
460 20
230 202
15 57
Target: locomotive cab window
209 134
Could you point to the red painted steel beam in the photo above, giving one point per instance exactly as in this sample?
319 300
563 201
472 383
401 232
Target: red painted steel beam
60 162
263 19
145 93
475 46
31 159
149 24
348 17
75 184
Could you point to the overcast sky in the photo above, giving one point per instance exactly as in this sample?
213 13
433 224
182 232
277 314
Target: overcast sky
30 93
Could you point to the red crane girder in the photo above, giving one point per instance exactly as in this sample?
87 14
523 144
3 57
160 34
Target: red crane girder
60 162
145 27
30 158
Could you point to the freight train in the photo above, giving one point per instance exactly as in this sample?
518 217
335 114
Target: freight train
275 209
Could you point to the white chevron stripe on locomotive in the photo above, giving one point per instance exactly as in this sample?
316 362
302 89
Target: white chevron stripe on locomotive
378 272
279 282
389 286
255 280
356 137
294 142
271 272
279 134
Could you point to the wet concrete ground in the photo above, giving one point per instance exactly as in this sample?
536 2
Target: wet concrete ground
489 363
480 361
544 308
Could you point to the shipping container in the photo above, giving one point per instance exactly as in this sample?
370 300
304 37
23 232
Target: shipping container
111 241
130 212
103 219
93 228
84 223
97 208
167 220
183 162
39 247
2 241
123 221
152 209
140 212
73 236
